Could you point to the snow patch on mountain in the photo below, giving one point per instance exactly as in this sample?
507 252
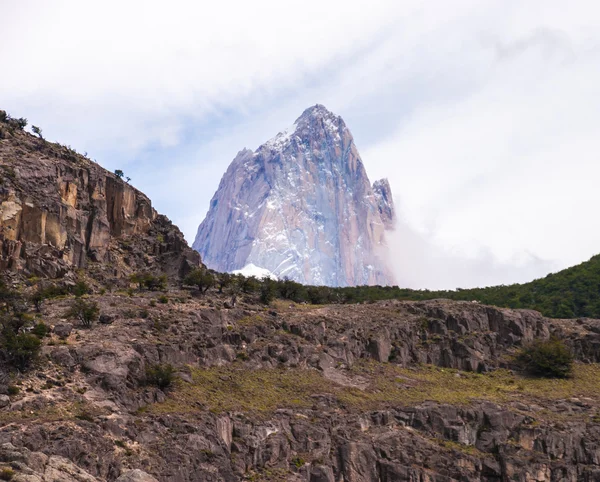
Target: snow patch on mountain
256 271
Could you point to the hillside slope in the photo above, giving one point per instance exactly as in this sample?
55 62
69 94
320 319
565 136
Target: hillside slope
384 392
60 211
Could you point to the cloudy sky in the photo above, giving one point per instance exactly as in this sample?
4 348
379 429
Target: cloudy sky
484 115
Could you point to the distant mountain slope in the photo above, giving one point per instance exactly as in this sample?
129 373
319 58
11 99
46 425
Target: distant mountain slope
570 293
302 207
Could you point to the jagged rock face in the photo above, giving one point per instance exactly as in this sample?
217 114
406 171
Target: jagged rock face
385 202
301 206
59 210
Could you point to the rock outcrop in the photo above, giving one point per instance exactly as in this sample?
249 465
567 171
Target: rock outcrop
385 202
59 211
341 394
302 207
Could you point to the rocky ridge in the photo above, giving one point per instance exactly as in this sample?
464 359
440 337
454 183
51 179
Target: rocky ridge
302 207
60 212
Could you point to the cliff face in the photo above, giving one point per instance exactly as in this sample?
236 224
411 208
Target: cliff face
385 202
300 206
59 211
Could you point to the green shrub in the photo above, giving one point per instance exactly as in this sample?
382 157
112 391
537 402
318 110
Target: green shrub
7 474
81 288
547 358
40 330
21 349
160 376
298 462
13 390
267 291
84 311
149 281
163 299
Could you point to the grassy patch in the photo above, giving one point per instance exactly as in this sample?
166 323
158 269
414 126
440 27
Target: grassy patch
223 389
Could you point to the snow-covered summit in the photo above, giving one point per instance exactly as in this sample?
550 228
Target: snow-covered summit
301 206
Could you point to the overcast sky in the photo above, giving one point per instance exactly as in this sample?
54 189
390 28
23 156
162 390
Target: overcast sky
484 115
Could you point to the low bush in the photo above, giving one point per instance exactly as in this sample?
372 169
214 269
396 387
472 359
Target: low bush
40 330
7 473
547 358
20 349
149 281
160 376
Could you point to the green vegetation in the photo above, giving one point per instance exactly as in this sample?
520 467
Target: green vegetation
149 281
37 131
20 349
160 376
84 311
571 293
7 473
547 358
81 288
17 348
201 278
40 330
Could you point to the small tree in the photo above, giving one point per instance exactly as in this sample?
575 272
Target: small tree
267 291
21 349
37 131
84 311
201 278
248 284
119 173
547 358
224 281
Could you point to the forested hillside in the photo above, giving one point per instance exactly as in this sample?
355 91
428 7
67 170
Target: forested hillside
573 292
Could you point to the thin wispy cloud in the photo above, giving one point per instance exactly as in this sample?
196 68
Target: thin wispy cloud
483 115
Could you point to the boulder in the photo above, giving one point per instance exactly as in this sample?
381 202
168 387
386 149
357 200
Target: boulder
63 330
106 319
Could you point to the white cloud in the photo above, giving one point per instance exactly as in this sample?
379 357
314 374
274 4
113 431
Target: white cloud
483 115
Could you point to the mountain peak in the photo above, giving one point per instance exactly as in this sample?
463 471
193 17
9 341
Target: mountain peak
314 121
319 115
316 111
301 206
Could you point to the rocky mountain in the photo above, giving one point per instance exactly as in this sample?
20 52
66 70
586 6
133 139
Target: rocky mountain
60 212
214 385
302 207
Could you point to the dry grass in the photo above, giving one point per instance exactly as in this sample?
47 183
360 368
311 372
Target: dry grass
236 388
